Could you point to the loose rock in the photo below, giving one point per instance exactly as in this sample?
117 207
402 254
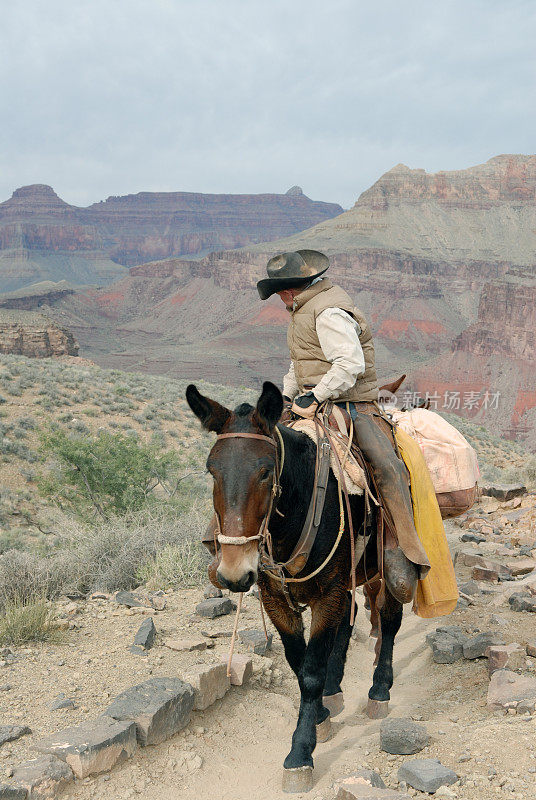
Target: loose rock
92 747
349 790
504 491
446 643
12 792
506 689
522 602
146 634
402 736
160 707
476 646
186 645
509 656
215 607
241 669
127 599
256 640
209 682
426 774
9 733
212 591
42 778
61 702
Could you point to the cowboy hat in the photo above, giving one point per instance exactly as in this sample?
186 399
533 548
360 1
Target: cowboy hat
292 270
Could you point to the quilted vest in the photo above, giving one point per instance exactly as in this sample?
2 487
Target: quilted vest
310 363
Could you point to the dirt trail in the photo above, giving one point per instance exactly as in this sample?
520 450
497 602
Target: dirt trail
235 749
247 735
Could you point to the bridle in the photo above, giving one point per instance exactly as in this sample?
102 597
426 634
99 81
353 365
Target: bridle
267 564
275 491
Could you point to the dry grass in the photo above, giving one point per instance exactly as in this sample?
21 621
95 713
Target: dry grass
120 553
27 620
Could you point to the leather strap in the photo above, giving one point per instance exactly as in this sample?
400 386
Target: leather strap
246 436
301 552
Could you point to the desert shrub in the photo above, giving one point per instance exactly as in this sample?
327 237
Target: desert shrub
25 576
530 470
28 423
115 554
177 566
109 472
28 620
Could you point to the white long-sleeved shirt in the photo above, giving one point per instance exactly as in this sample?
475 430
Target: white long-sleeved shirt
338 334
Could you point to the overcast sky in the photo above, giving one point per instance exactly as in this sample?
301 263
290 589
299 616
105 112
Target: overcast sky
109 97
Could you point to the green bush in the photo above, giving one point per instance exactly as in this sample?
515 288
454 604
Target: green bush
108 472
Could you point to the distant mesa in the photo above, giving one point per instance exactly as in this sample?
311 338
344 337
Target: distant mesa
43 238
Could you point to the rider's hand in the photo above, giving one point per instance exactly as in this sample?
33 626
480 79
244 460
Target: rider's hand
305 405
286 416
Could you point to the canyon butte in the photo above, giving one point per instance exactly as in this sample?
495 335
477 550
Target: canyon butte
444 266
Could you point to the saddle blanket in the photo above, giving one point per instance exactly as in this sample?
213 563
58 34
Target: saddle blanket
353 472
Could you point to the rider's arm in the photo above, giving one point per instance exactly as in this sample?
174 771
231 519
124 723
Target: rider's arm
290 384
338 334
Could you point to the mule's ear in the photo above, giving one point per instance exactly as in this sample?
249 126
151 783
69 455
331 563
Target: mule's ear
269 406
213 416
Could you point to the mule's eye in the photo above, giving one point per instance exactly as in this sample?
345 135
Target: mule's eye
265 474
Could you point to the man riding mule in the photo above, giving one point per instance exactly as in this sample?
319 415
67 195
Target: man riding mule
273 486
332 358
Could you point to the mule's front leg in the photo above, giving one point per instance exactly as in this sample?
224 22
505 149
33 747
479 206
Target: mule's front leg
326 615
289 625
333 697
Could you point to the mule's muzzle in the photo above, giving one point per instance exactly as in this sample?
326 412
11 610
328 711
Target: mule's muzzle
242 585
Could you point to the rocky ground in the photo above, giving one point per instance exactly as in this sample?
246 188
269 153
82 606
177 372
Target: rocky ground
236 747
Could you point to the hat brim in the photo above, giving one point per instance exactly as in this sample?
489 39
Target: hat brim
269 286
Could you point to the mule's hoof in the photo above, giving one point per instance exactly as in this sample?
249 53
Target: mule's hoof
377 709
334 703
299 779
323 730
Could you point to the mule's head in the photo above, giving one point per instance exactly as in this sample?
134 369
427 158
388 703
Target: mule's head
243 471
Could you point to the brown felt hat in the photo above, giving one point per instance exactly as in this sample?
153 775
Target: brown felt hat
292 270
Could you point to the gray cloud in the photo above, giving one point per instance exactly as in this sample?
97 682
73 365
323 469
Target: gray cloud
105 97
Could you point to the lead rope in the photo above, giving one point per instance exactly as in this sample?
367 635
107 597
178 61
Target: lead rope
233 635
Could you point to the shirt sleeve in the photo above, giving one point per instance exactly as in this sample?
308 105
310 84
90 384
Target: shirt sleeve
290 384
338 334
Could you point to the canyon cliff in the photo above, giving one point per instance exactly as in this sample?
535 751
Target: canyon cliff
44 238
28 333
443 265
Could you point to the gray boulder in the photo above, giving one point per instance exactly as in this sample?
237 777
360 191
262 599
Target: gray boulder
214 607
146 634
160 707
426 774
8 733
402 736
476 646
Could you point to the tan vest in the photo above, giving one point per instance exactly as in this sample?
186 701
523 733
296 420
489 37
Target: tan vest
310 363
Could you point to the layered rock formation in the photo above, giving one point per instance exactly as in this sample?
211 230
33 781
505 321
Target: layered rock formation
443 265
44 238
36 295
31 334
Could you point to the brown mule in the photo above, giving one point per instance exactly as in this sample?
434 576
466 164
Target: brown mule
263 477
